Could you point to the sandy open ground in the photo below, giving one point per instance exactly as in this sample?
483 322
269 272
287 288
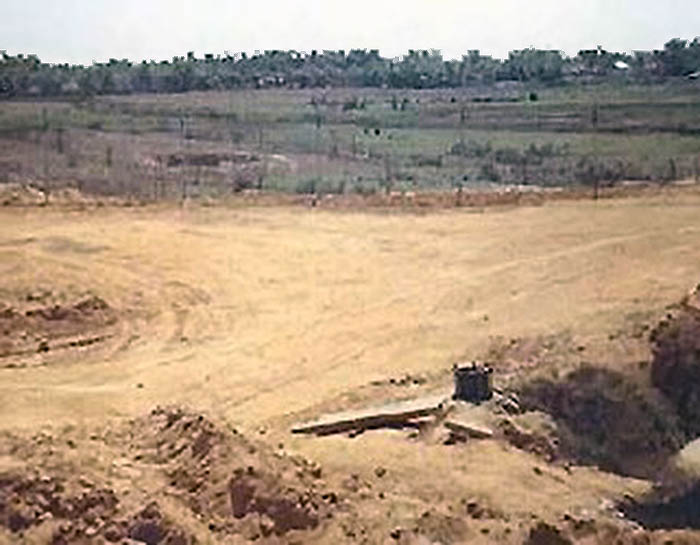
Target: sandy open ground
262 316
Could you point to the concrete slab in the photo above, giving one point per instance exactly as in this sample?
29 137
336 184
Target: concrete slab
390 414
470 421
468 429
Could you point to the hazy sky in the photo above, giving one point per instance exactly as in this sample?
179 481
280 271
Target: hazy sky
80 31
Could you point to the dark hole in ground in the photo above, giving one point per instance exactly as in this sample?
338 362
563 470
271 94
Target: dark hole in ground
675 371
675 368
607 419
682 511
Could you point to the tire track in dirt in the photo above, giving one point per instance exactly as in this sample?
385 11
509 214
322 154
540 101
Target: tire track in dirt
349 328
345 358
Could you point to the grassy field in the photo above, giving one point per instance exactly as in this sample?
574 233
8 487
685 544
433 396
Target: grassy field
355 140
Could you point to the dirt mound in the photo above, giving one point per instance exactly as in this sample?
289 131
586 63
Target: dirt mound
30 499
675 368
26 194
209 479
78 511
34 326
150 526
68 196
574 530
546 534
593 408
532 432
239 486
679 511
283 510
682 471
16 194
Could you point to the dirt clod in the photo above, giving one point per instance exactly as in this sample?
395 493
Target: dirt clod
546 534
26 327
543 443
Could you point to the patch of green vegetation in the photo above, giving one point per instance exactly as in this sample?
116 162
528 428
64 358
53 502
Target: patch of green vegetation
341 139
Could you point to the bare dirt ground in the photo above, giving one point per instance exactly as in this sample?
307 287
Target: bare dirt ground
255 318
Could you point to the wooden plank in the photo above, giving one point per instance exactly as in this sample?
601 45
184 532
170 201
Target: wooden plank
376 417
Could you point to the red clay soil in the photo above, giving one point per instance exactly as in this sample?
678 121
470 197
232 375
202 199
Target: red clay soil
79 512
232 482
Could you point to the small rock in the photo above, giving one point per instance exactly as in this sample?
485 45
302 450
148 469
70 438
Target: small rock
65 527
475 510
510 406
316 471
46 515
249 527
151 511
148 531
330 497
267 525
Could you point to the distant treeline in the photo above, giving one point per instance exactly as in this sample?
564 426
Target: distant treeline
27 76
